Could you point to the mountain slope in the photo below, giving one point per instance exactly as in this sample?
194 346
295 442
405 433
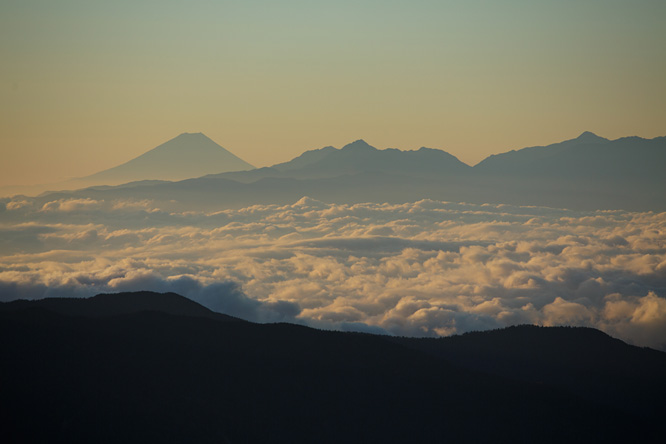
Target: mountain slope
119 304
358 158
149 375
587 156
185 156
583 360
586 173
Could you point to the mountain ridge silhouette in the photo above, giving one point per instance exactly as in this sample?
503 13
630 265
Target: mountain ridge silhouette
114 304
150 374
585 173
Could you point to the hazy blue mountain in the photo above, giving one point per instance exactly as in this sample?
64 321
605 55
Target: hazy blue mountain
212 193
357 158
586 156
517 160
586 173
148 374
355 173
185 156
306 159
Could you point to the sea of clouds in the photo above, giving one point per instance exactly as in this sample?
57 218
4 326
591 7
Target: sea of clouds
425 268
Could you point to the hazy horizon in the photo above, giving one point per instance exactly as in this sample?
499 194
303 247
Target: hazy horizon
86 86
145 151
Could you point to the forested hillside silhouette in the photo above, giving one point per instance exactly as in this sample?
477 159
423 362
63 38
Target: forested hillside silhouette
72 374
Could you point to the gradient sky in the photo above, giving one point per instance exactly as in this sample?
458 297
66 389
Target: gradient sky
86 85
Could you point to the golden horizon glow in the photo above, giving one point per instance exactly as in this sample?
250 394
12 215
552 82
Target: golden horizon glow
84 87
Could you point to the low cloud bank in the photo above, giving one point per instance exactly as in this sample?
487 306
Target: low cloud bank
425 268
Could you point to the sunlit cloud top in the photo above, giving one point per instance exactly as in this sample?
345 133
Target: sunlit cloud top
423 268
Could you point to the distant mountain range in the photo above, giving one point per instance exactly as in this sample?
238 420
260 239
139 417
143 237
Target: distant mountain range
585 173
586 156
357 158
131 367
588 172
186 156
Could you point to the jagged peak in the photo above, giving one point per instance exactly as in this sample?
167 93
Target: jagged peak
359 144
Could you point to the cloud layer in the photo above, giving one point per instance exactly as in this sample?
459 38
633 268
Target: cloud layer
425 268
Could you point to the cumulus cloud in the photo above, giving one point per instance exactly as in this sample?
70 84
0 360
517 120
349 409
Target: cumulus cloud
424 268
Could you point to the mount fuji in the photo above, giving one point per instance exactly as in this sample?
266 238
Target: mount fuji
185 156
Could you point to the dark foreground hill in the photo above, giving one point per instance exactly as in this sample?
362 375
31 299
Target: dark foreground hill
146 375
119 304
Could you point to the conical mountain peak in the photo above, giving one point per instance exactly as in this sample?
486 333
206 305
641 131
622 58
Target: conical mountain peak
189 142
187 155
589 136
